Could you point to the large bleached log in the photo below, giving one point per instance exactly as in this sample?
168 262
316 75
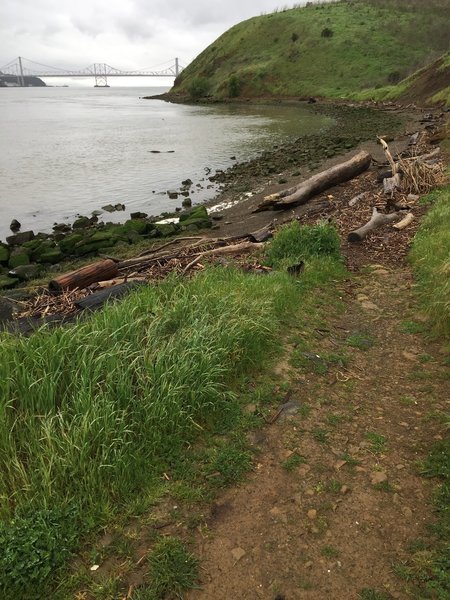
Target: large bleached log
81 278
300 194
377 220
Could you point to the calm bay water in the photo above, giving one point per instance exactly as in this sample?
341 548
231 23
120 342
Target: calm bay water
69 151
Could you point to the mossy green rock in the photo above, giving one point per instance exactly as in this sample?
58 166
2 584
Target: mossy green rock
102 236
139 226
198 212
52 256
196 224
166 229
18 257
4 255
68 244
82 223
43 248
6 282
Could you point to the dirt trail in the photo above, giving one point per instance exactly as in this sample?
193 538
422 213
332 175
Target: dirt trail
344 516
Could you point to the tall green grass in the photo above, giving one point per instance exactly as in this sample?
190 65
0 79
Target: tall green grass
430 257
86 409
91 415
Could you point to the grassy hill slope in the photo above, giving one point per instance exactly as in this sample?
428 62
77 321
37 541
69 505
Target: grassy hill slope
428 85
332 49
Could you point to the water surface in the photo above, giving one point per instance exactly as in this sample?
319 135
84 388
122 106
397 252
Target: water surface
69 151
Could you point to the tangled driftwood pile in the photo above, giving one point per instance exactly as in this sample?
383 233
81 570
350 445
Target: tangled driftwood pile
92 285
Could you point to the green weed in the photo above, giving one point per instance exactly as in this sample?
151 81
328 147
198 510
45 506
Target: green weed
384 486
172 569
329 552
411 327
377 442
360 340
294 461
371 594
320 435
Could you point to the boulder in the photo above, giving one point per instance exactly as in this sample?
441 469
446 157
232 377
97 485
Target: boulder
186 183
26 272
4 254
42 248
82 223
67 245
20 238
134 237
138 215
196 218
6 282
166 229
187 203
19 256
138 225
62 227
52 256
173 195
198 212
15 226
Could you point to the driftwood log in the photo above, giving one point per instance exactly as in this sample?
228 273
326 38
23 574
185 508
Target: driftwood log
390 184
99 298
262 235
235 249
81 278
404 222
377 220
300 194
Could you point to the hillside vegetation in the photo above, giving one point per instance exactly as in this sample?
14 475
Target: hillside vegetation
430 84
332 49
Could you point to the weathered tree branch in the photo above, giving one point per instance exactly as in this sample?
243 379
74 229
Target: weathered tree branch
377 220
300 194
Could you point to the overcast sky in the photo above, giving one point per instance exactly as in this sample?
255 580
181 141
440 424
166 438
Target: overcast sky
127 34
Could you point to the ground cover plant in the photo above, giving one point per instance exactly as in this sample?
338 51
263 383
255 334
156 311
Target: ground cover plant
94 413
431 262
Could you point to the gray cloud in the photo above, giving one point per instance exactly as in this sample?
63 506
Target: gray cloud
127 33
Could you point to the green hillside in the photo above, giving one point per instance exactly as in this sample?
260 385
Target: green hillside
431 84
333 49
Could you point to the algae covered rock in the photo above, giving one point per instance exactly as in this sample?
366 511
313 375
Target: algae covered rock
82 223
166 229
196 218
52 256
4 254
67 245
19 256
19 238
7 282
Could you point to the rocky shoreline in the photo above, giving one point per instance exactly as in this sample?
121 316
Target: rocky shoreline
25 254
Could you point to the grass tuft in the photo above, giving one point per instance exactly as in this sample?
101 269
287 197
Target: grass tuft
173 570
295 242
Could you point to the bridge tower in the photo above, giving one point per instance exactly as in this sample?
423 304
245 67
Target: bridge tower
20 77
101 75
177 67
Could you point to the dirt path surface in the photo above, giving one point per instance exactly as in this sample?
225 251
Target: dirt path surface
336 498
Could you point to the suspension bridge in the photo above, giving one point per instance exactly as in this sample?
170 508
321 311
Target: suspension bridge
21 68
